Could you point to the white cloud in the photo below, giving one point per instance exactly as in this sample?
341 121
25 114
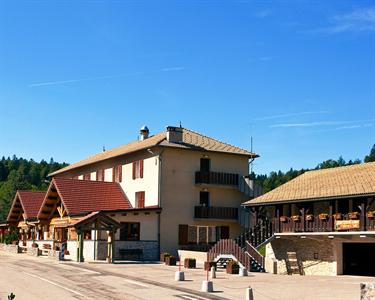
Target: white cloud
355 21
291 115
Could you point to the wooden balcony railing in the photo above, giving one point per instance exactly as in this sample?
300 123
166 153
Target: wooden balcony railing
215 212
330 223
216 178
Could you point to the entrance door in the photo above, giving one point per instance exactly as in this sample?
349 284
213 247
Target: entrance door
358 258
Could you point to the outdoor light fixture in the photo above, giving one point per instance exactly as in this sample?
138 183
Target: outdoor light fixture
303 236
362 236
331 237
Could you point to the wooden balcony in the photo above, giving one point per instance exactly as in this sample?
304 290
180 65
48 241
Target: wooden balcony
216 178
324 223
214 212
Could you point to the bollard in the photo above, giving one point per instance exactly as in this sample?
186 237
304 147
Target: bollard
207 286
179 276
213 273
243 272
249 294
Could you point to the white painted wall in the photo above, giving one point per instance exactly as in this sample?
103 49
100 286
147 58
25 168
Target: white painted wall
108 175
148 184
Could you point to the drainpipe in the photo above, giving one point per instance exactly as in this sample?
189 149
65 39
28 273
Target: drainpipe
159 195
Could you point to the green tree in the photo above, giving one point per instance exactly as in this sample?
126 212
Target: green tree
371 156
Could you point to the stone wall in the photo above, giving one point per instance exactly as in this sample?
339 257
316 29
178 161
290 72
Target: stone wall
33 251
10 248
314 256
150 249
367 291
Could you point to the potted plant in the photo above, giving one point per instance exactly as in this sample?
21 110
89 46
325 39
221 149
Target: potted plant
338 216
323 216
34 245
283 219
296 218
163 256
170 260
190 263
353 215
309 217
232 267
370 214
208 265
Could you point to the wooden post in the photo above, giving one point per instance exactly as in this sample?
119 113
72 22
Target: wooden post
303 221
277 221
330 221
363 214
110 245
113 245
80 238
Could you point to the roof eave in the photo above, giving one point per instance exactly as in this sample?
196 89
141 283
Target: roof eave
248 203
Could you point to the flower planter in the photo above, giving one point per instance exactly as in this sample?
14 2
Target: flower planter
232 267
283 219
170 260
189 263
370 214
338 216
34 245
208 265
353 215
309 218
296 218
163 256
323 217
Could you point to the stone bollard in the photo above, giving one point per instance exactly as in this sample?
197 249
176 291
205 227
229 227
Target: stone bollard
179 276
213 273
243 272
249 294
367 291
207 286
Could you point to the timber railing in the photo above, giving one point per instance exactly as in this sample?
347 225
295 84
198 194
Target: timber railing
254 253
215 212
327 223
229 247
216 178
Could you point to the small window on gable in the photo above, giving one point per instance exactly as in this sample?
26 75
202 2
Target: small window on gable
140 199
138 169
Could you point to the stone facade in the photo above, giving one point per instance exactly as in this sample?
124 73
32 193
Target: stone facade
33 251
150 249
313 256
367 291
10 248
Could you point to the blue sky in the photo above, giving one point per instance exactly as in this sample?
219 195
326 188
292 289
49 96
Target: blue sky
298 76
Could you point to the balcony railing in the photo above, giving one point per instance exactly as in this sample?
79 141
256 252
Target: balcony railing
216 178
214 212
325 223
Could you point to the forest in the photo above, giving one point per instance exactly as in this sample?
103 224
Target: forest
27 174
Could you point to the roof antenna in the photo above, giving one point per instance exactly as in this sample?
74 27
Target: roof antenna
180 124
252 159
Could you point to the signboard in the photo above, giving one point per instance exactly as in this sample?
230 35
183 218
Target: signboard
341 225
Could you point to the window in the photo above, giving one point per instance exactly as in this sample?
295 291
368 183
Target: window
138 169
117 173
205 165
140 199
130 231
204 198
100 175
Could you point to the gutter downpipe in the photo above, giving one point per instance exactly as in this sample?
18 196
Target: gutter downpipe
159 195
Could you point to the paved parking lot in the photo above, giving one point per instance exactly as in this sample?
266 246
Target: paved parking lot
41 278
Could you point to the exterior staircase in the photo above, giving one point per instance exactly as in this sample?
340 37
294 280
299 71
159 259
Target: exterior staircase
243 249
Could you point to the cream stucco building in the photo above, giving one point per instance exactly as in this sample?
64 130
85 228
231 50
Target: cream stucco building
196 183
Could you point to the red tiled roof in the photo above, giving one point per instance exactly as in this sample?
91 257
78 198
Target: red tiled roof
31 202
82 196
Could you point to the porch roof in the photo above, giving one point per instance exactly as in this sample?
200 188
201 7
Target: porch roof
97 220
318 185
82 196
26 203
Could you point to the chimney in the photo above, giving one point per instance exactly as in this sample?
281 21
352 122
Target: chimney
174 134
144 132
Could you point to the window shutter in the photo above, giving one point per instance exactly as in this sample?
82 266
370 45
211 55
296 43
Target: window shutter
141 168
183 234
119 173
113 174
134 165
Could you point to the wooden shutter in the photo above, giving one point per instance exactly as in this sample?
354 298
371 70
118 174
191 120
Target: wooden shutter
113 174
119 173
140 199
134 166
141 169
183 234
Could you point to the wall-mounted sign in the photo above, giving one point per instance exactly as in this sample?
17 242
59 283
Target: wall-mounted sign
341 225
